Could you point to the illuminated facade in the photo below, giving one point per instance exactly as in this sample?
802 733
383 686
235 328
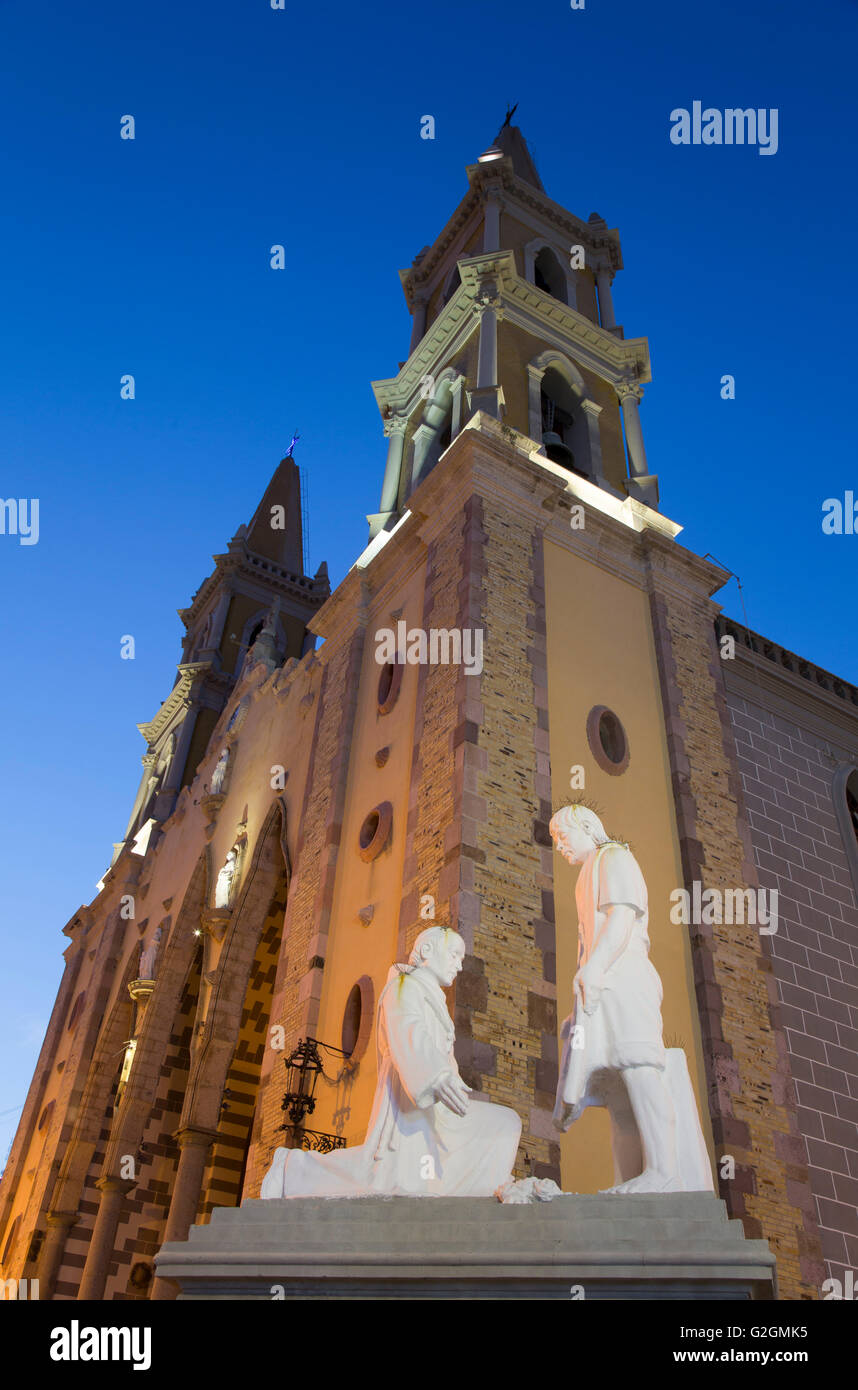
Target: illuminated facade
304 812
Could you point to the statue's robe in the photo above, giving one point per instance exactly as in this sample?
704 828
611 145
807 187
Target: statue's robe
414 1145
625 1029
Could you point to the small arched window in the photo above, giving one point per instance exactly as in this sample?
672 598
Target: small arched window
389 684
845 795
351 1021
77 1008
608 740
549 276
453 284
13 1232
358 1019
852 801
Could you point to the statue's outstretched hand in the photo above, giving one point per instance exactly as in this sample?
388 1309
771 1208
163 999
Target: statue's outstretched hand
451 1091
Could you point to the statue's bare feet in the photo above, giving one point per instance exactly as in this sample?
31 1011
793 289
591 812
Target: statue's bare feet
650 1180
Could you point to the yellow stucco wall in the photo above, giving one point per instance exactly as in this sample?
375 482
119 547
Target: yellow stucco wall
355 949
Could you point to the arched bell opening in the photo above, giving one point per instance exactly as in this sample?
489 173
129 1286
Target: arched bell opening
564 435
549 276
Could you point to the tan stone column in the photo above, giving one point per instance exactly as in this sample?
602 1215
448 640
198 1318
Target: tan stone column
394 428
630 394
194 1145
488 394
59 1223
113 1193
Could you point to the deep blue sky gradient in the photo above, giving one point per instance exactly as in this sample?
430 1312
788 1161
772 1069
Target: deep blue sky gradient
301 126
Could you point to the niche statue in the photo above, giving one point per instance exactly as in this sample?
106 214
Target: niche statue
226 879
219 774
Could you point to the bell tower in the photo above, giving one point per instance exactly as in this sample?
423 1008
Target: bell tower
256 604
513 315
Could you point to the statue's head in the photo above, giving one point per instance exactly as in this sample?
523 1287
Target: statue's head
440 951
576 830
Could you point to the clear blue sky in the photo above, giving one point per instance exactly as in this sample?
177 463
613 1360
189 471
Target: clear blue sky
301 126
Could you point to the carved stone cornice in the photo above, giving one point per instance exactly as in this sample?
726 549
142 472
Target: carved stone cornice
242 563
615 360
179 699
594 347
495 180
761 665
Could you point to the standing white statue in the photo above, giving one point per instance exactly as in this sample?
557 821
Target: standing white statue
146 968
613 1049
223 887
219 774
426 1136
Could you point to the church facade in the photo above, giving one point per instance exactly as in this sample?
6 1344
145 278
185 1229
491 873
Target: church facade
523 627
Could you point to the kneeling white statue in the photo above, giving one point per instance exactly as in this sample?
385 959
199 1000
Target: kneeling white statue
613 1051
426 1137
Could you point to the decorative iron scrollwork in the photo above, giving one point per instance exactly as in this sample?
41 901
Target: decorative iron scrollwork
298 1138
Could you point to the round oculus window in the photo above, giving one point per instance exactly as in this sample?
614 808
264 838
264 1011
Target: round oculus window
608 741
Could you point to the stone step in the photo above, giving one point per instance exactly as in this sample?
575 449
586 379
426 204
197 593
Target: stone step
372 1247
430 1210
444 1231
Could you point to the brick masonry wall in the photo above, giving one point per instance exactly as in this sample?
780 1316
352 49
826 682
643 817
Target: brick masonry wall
751 1090
145 1209
787 774
506 1014
431 855
227 1159
299 975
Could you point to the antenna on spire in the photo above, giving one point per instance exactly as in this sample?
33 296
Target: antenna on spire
510 112
305 504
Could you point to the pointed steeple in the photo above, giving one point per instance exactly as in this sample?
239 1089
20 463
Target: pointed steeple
275 530
259 598
509 141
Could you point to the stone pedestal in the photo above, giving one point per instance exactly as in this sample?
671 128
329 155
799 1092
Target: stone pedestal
680 1246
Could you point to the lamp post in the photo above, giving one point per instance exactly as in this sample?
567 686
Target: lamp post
305 1066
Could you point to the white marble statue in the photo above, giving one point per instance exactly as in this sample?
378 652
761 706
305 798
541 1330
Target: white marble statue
613 1050
219 774
225 879
146 968
427 1136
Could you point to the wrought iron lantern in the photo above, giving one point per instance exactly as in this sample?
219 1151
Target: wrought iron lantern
305 1066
